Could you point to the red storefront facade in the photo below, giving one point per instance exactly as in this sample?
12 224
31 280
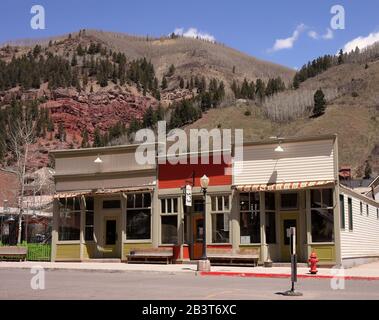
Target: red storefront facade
189 220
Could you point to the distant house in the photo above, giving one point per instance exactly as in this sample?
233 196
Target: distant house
374 189
9 188
37 206
368 187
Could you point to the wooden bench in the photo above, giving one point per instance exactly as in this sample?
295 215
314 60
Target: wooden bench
226 256
151 255
13 253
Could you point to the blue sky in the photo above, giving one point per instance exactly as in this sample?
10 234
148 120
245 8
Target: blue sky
247 25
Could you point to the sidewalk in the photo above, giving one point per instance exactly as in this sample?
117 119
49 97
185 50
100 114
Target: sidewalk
363 272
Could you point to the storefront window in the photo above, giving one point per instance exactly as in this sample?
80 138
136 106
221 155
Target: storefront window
250 218
270 201
322 215
220 219
138 216
270 228
111 204
89 225
322 225
169 221
69 219
138 224
169 229
289 201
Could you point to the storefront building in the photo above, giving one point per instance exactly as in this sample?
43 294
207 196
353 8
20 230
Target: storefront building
107 204
182 225
103 203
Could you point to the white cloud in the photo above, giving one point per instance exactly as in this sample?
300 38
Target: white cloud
361 42
313 34
327 36
194 33
289 42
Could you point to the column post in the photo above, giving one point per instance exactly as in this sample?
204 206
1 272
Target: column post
262 219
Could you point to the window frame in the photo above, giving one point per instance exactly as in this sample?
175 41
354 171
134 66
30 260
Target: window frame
127 209
342 212
224 210
271 212
166 213
323 207
249 211
76 210
350 213
91 211
289 208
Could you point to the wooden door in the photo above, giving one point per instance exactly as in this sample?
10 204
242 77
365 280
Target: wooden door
110 238
198 234
288 220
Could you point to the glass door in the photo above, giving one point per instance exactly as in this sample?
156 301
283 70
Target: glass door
111 238
288 220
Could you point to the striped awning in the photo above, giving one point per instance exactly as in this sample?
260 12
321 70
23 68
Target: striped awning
74 194
284 186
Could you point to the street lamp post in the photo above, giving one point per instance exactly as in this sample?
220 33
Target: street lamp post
204 264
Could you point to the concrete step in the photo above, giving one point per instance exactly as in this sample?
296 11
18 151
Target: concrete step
105 260
288 264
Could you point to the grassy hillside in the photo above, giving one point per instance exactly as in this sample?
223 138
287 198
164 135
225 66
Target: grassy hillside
353 115
189 56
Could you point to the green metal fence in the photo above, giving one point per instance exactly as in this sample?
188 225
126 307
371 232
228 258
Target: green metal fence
37 251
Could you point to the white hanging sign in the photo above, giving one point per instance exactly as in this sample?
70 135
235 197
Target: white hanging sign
188 194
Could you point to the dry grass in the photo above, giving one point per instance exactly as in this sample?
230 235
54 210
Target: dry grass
189 56
355 122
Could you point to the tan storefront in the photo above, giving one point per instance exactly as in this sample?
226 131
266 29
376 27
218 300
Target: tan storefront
100 194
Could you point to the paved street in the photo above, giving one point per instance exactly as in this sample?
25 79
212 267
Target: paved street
76 284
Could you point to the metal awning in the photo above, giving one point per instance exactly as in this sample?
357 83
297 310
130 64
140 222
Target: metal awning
284 186
74 194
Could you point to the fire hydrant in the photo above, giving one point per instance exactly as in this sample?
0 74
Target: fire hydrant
313 263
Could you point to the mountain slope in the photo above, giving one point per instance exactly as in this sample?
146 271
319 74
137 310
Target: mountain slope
353 115
189 56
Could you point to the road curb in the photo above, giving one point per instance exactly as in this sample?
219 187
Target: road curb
283 275
95 269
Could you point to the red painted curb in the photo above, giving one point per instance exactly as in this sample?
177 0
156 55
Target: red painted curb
282 275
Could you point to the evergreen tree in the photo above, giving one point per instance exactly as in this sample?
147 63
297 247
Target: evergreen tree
159 113
85 142
134 126
61 132
74 60
171 71
319 103
149 118
97 139
181 83
340 57
164 83
80 51
260 89
368 170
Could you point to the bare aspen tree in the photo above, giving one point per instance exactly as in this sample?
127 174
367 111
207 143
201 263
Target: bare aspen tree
21 137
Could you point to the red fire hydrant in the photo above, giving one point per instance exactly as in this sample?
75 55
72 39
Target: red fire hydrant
313 263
